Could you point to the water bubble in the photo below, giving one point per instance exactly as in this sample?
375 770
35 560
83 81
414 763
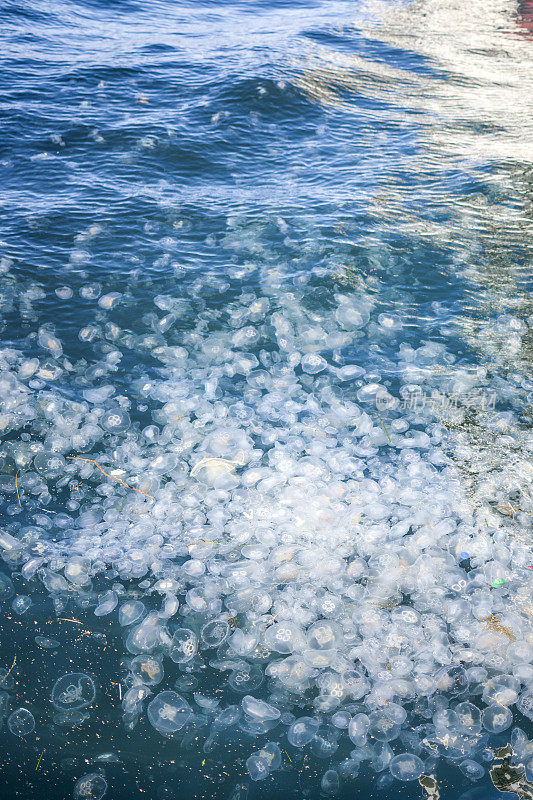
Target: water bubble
92 786
73 691
21 722
168 712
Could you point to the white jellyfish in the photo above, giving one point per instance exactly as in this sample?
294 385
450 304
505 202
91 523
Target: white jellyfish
168 712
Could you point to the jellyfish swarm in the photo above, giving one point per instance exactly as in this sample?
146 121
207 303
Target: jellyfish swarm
168 712
90 787
21 722
73 691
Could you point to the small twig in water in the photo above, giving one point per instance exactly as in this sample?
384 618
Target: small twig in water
9 670
17 487
385 429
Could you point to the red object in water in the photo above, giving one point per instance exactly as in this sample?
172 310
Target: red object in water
525 15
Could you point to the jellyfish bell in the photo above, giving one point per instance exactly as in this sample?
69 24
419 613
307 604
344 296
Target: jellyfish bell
168 712
73 691
92 786
21 722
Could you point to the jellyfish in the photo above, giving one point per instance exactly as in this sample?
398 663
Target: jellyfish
6 587
116 420
214 633
257 767
283 638
21 722
406 767
330 782
49 464
73 691
496 718
259 710
168 712
302 731
246 679
184 646
131 612
21 603
324 635
148 669
90 787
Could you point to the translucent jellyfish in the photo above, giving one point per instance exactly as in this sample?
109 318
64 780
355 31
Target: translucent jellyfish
107 602
246 678
341 719
271 754
525 704
168 712
496 718
453 681
257 767
21 603
73 691
302 731
312 363
383 728
148 669
330 783
184 646
358 728
406 767
116 420
90 787
131 612
472 769
49 464
21 722
324 635
214 633
259 710
283 637
468 717
325 742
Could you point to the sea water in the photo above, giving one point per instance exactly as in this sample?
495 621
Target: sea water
265 400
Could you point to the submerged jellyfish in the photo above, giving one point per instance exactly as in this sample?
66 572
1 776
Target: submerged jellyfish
406 767
214 633
496 718
302 731
21 603
90 787
21 722
148 669
184 646
116 420
73 691
246 679
259 710
324 635
168 712
283 638
131 612
49 464
6 587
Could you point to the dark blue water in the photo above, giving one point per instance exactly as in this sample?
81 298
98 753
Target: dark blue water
195 196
